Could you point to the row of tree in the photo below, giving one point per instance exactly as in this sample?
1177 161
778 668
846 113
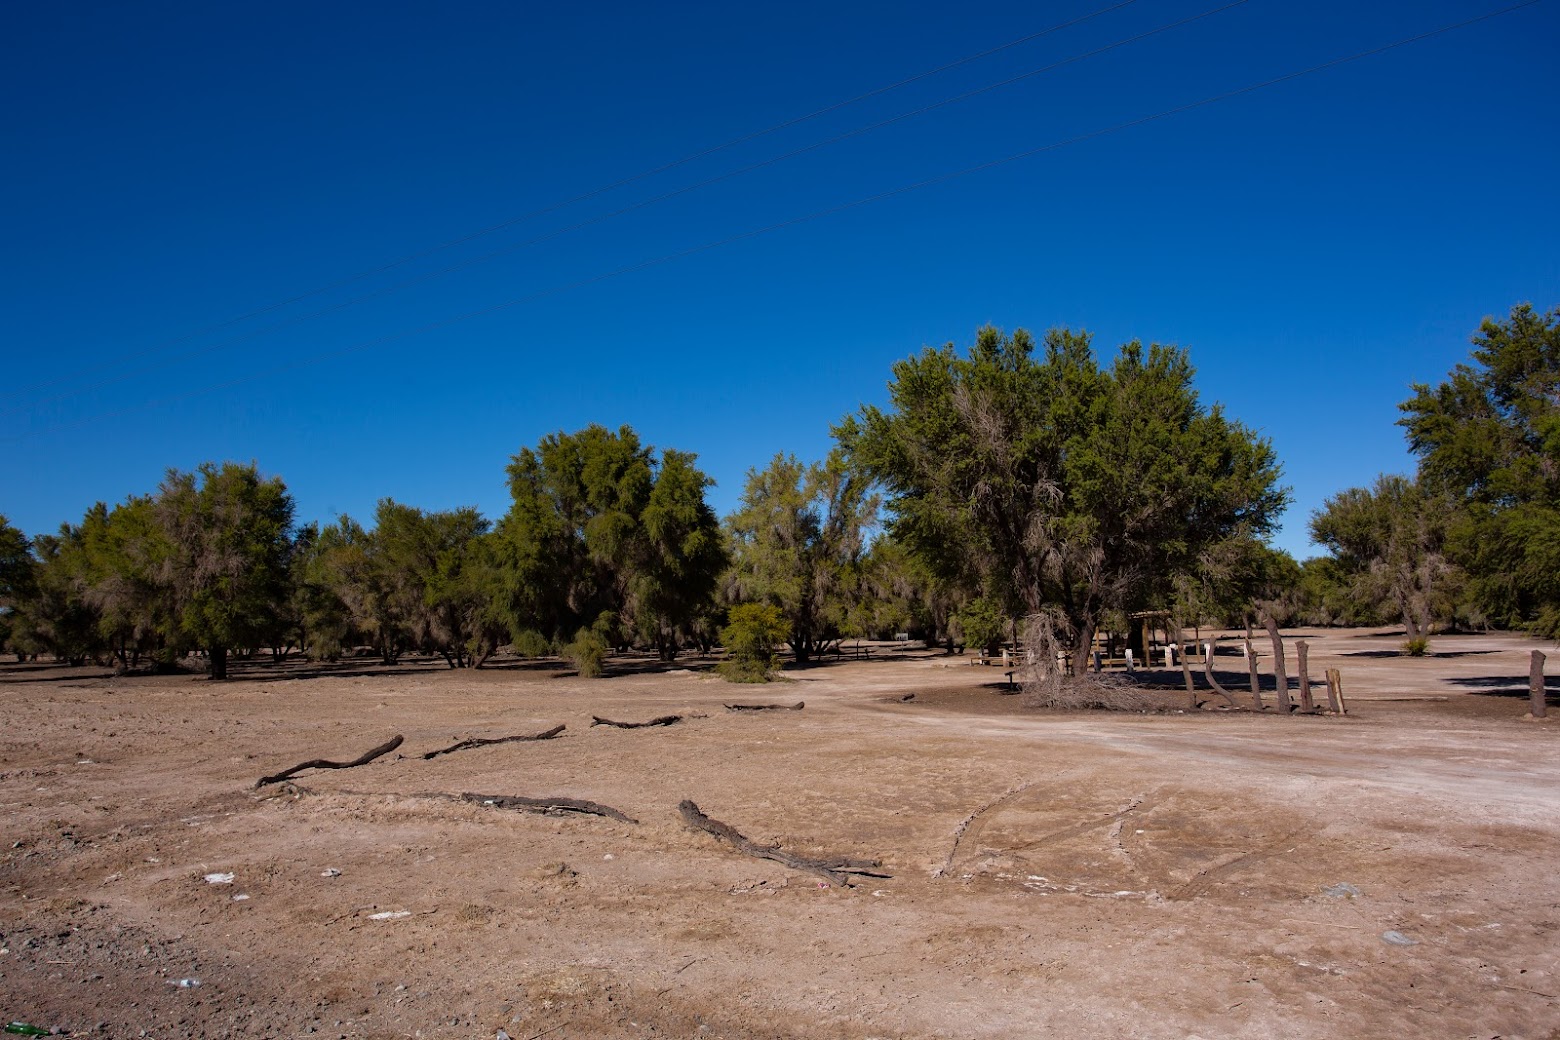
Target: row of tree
1015 480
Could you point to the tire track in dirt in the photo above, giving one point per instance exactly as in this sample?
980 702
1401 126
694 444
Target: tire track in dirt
1208 876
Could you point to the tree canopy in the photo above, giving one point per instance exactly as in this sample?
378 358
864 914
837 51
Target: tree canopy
1053 483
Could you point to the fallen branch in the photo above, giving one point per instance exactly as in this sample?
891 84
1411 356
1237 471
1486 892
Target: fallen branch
798 706
547 806
320 763
485 741
664 720
835 870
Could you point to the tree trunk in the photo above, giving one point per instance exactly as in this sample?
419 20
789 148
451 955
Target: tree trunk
219 662
1186 668
1280 668
1251 667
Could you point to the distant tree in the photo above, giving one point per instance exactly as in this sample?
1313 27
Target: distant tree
321 621
1390 540
55 616
383 603
229 532
598 525
441 566
1489 437
799 537
124 576
679 557
1056 483
18 578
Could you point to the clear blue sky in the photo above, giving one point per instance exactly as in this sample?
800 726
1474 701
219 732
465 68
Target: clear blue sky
170 167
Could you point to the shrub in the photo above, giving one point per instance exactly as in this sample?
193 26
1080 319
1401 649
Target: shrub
750 635
1416 647
586 653
531 643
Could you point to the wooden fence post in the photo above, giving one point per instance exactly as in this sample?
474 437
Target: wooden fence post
1335 691
1306 703
1536 684
1256 680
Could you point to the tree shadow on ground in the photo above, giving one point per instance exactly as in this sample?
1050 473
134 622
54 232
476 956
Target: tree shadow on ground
1509 686
1439 654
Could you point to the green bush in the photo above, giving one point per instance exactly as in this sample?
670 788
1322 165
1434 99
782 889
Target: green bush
1416 647
531 643
751 633
586 653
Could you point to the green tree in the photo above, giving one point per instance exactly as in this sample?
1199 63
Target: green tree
229 534
598 525
1056 483
1390 539
1489 437
56 616
18 579
798 538
679 557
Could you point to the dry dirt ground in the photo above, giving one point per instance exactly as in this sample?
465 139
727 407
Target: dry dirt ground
1212 874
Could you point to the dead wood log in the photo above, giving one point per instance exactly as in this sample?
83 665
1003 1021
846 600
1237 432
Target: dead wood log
321 763
664 720
835 869
485 741
548 806
798 706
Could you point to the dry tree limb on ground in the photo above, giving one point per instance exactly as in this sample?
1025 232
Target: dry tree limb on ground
834 869
320 763
548 806
798 706
485 741
664 720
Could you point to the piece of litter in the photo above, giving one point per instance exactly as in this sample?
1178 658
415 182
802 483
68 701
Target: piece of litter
1342 890
184 983
330 872
1398 939
608 858
240 897
219 879
389 915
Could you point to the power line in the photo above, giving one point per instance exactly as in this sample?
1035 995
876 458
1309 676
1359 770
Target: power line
583 197
666 258
210 348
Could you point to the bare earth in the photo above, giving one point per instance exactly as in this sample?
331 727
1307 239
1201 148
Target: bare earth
1218 874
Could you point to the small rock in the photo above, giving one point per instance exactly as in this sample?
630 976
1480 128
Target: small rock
1397 938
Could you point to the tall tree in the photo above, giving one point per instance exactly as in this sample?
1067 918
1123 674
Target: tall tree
1489 436
18 578
1390 538
799 537
680 556
229 532
1054 485
603 535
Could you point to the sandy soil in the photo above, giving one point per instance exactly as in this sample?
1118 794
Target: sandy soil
1210 874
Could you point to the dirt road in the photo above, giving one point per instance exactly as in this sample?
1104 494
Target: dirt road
1213 874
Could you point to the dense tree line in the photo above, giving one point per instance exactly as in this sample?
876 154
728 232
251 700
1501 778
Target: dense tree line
1014 480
